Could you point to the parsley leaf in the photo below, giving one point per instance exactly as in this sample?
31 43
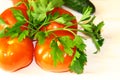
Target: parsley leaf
92 30
18 15
86 14
54 3
41 7
87 27
56 53
78 62
79 43
65 19
40 36
14 31
68 44
23 35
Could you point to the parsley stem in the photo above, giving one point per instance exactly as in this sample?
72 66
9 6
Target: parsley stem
96 43
64 29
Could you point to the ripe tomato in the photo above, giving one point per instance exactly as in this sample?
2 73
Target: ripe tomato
10 19
21 5
15 55
42 51
44 59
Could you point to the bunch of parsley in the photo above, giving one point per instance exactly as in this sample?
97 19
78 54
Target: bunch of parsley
39 17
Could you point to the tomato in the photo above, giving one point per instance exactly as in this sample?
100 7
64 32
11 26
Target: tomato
42 51
15 55
21 5
10 19
44 59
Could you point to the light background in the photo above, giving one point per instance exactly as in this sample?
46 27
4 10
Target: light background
103 66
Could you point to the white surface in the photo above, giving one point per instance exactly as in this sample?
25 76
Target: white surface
103 66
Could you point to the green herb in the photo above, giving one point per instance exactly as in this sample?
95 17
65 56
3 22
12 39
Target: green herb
40 36
92 30
18 15
12 31
15 31
39 15
65 19
23 35
40 9
68 44
56 53
79 60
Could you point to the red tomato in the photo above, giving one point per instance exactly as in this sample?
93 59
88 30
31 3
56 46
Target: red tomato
21 5
43 57
15 55
9 18
42 51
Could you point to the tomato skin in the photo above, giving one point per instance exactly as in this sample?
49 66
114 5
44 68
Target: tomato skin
15 55
42 51
9 18
21 5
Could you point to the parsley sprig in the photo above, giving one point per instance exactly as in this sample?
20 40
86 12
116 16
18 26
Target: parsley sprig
39 15
92 30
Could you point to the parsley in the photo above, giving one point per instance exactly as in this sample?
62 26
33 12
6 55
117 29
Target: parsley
79 43
40 36
92 30
23 35
89 29
79 60
65 19
68 44
12 32
39 16
18 15
56 53
40 9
